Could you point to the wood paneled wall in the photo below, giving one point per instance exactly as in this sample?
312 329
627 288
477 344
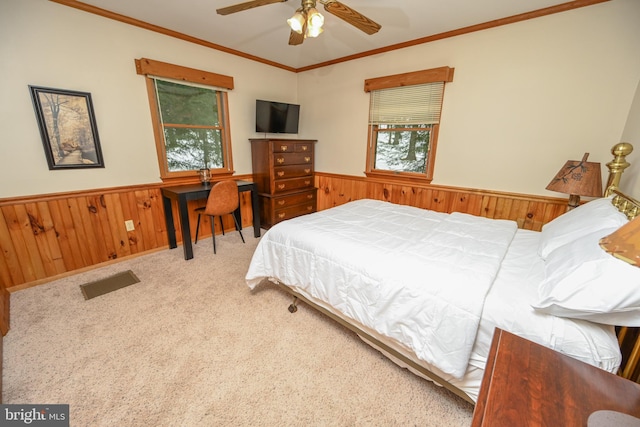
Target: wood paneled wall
530 212
49 236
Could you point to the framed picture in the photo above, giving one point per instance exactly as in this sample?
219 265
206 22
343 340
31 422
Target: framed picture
67 127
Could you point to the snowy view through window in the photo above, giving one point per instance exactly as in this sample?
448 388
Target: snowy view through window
192 126
402 150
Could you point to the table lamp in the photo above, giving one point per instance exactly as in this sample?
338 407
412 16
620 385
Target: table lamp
624 243
578 178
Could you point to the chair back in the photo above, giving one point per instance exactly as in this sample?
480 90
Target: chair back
223 198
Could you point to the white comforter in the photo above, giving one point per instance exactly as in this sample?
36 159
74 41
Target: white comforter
416 276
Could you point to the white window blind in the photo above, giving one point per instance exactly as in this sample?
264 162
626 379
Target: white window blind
184 88
416 104
187 83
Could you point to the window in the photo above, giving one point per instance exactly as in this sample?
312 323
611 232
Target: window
404 117
190 118
193 131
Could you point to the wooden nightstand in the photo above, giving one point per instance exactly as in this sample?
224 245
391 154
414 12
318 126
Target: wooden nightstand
526 384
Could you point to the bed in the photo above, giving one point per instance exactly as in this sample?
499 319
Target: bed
428 289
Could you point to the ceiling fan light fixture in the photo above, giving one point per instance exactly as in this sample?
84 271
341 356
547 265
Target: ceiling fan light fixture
306 21
296 22
313 32
314 18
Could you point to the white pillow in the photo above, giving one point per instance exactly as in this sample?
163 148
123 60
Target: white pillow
591 216
582 281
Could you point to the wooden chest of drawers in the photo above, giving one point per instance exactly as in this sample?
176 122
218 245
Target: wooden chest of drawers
284 174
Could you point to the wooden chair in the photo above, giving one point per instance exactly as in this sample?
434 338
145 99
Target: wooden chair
223 200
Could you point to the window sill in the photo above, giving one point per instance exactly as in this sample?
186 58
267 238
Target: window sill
191 177
398 177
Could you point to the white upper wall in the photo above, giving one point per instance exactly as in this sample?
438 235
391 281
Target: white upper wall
631 178
525 98
48 44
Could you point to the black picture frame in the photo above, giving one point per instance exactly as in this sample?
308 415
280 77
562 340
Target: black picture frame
68 128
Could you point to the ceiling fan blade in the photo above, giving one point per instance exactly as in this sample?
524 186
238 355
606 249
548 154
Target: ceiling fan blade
295 38
354 18
245 6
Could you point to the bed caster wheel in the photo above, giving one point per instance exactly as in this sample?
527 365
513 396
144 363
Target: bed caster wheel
293 307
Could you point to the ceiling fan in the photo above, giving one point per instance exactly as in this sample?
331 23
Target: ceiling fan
307 21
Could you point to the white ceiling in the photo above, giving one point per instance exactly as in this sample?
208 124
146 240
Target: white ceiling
264 33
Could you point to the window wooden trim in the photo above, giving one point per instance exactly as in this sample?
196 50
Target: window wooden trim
150 69
433 75
403 176
442 74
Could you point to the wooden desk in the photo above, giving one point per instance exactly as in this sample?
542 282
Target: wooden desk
183 193
526 384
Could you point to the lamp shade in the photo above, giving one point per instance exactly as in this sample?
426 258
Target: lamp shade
578 177
297 21
624 243
315 18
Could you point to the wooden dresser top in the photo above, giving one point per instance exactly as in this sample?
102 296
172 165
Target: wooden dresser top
526 384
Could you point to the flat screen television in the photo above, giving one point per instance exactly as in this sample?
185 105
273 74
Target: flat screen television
276 117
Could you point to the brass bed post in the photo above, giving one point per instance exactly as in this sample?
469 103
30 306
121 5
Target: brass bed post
631 354
617 166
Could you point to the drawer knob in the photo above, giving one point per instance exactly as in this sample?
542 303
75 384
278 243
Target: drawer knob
280 160
307 182
284 148
307 171
305 148
309 208
281 186
307 159
281 202
281 215
280 173
309 196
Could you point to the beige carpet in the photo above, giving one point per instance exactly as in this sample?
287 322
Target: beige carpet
190 345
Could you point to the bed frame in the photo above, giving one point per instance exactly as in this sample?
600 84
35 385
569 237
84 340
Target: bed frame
628 338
